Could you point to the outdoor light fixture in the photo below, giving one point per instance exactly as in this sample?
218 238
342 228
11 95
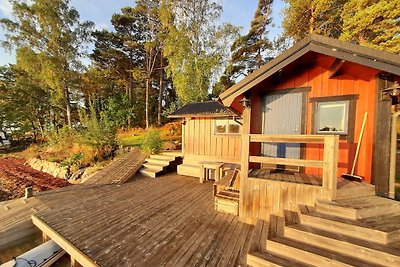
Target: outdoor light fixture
245 102
391 92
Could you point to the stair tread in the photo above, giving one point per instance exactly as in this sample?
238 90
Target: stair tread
321 251
150 170
393 248
383 223
228 194
278 259
360 203
156 164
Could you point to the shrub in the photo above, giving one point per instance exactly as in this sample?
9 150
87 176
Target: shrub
152 142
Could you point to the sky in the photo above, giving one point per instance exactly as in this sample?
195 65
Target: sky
238 12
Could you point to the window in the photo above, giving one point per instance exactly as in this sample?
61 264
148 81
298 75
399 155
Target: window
227 126
332 117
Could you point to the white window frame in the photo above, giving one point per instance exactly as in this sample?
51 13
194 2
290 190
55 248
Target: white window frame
346 114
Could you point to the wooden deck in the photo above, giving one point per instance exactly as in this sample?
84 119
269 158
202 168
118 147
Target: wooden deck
119 170
302 178
168 221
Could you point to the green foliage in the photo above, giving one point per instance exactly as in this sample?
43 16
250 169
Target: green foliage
249 52
49 37
117 111
196 47
373 23
96 131
322 17
152 142
75 159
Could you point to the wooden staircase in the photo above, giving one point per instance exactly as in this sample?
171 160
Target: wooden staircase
161 163
362 231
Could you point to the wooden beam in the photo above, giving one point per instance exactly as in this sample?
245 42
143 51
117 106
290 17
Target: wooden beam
280 138
329 176
244 173
287 161
335 67
74 252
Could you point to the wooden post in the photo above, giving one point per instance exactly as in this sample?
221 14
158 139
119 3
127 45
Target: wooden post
28 192
329 176
183 137
244 162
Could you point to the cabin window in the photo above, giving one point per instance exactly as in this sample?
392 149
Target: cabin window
227 126
332 117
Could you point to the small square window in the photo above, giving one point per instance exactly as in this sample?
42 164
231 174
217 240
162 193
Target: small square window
220 126
332 117
227 126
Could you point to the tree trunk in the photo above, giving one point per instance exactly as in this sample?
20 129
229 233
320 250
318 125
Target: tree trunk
68 108
147 101
312 22
160 92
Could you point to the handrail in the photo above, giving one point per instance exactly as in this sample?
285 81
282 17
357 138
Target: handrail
328 164
278 138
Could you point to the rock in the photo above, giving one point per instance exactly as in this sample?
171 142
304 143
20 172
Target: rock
52 168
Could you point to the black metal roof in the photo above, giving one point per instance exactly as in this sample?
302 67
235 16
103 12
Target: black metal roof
203 109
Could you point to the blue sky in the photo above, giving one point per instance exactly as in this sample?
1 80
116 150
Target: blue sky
237 12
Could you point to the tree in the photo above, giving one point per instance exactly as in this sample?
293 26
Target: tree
24 105
249 51
195 46
372 23
322 17
50 39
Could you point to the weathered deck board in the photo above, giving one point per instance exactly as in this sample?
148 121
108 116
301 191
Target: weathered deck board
153 222
120 170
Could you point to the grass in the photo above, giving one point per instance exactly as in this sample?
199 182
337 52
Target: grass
137 140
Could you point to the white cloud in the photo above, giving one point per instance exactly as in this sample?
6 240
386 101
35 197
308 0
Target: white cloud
6 8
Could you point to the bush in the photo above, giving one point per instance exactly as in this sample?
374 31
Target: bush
152 142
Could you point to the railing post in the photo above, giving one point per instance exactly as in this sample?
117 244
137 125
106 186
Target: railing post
329 176
244 173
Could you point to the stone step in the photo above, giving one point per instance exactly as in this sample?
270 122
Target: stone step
309 254
379 229
363 250
358 208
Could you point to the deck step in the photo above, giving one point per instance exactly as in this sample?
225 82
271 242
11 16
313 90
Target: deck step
149 172
189 169
360 249
359 191
359 208
163 157
228 194
306 253
172 153
380 229
266 259
153 166
158 161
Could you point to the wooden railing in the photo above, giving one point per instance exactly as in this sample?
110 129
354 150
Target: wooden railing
328 163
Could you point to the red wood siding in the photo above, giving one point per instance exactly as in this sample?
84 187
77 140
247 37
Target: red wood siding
346 83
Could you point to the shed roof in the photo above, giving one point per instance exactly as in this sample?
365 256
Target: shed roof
203 109
384 61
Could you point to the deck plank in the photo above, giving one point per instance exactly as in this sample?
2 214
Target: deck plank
168 221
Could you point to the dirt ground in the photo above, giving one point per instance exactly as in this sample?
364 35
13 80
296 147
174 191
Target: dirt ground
15 175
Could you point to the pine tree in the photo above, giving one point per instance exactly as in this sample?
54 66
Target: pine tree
249 51
322 17
372 23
